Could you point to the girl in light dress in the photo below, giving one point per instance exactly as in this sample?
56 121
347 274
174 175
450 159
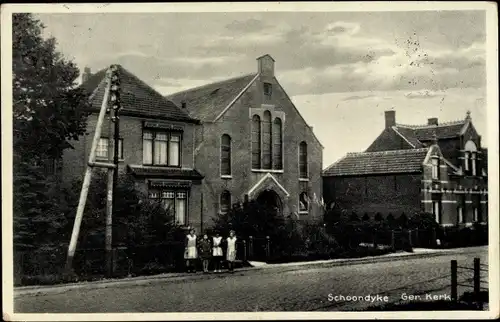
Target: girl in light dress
217 252
191 253
231 250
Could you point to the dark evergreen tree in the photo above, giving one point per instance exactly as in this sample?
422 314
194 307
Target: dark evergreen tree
48 110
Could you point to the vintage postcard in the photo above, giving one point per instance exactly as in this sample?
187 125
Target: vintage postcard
265 160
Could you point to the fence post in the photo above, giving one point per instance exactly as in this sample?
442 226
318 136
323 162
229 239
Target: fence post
417 240
477 282
268 247
409 238
434 241
250 247
244 251
454 296
375 238
393 239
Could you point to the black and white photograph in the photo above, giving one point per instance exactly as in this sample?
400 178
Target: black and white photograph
263 160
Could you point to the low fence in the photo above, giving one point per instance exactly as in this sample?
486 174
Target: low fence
45 264
478 291
405 239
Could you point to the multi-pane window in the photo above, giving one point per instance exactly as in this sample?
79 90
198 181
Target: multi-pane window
103 148
435 168
470 158
225 202
256 142
161 148
303 202
267 141
225 155
278 144
174 201
303 160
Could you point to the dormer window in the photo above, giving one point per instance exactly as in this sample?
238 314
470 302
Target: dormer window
435 168
473 163
470 158
268 90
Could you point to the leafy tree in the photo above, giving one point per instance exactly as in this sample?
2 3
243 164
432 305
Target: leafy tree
47 111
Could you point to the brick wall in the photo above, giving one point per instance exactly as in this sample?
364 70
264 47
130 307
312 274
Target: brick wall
394 193
236 122
74 160
388 140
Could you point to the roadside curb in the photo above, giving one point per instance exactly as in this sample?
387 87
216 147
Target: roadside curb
179 277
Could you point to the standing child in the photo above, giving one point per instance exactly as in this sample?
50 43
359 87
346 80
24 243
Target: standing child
217 252
231 250
191 253
205 252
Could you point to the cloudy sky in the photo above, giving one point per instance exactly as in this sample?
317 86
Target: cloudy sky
341 69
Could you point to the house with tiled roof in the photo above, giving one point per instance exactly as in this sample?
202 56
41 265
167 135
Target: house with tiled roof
254 144
437 168
156 144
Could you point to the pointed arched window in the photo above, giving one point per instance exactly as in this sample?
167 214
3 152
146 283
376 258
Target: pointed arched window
256 140
225 155
303 167
278 144
267 141
225 202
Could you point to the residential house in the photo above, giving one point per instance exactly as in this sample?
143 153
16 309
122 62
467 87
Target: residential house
254 144
157 141
437 168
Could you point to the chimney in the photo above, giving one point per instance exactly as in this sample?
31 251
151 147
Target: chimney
390 118
432 121
266 65
86 74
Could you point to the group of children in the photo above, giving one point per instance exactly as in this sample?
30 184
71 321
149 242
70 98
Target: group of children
207 249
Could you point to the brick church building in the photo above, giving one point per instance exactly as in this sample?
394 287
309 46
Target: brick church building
253 143
437 168
202 150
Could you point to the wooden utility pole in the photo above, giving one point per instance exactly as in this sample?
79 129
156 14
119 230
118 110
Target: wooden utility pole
109 202
115 105
88 176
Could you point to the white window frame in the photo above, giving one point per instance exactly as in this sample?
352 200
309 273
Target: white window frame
230 175
169 135
460 213
163 194
435 168
473 163
306 211
307 162
436 210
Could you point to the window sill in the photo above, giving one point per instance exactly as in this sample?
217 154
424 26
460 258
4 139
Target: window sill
162 166
107 160
226 177
268 170
304 179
